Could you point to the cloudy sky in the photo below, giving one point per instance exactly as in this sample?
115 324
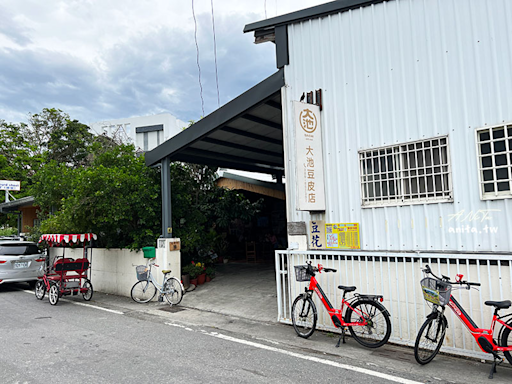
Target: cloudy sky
109 59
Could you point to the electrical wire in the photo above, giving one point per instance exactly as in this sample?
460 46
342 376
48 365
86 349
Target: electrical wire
197 50
215 56
265 6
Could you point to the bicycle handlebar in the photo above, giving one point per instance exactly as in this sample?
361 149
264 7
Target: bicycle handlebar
427 270
319 268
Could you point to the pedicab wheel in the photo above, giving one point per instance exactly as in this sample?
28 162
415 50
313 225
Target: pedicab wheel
53 294
87 295
40 290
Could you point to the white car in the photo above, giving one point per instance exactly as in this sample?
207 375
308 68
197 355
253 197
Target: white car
20 261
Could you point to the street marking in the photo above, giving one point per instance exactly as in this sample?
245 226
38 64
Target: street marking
94 306
180 326
385 376
85 305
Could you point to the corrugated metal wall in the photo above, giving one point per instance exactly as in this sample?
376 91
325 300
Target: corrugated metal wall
401 71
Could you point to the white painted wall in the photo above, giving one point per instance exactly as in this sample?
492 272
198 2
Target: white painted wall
395 72
171 127
113 270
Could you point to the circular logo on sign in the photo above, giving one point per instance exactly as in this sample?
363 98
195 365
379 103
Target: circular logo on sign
307 120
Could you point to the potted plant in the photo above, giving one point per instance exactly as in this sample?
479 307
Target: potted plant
210 273
201 277
193 271
185 277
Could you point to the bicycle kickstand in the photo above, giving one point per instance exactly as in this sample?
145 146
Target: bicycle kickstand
342 337
497 361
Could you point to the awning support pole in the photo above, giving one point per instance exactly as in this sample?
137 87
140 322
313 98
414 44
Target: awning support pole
165 170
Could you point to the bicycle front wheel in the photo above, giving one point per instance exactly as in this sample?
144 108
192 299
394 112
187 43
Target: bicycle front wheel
143 291
172 291
304 316
377 326
429 339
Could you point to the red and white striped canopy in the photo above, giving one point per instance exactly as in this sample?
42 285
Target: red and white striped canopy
67 238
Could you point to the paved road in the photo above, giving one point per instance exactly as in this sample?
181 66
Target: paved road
79 343
113 340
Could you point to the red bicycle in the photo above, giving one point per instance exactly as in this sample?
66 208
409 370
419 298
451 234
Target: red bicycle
365 317
437 290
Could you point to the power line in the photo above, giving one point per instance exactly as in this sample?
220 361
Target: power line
215 56
197 50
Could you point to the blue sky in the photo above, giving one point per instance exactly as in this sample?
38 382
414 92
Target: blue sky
109 59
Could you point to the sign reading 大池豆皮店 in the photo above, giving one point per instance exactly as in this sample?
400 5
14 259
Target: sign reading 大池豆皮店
9 185
309 158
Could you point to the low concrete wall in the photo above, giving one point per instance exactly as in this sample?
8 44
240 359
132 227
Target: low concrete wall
113 270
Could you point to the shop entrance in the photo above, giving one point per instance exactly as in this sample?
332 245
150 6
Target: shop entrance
255 240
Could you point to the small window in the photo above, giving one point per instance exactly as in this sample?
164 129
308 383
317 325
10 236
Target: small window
409 173
494 146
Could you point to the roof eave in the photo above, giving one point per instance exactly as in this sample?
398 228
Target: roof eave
309 13
216 119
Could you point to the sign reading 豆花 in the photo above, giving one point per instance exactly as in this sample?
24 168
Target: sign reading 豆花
9 185
309 157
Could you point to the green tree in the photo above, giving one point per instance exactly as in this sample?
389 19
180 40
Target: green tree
117 197
57 137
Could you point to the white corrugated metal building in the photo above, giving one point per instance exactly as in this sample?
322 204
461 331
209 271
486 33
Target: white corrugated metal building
414 108
414 105
416 119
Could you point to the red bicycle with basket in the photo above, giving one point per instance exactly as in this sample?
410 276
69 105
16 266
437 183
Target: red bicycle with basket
438 292
66 276
365 317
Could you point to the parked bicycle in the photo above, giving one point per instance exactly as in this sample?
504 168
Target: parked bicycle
145 289
365 317
437 290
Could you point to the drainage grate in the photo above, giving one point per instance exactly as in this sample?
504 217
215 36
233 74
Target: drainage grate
172 309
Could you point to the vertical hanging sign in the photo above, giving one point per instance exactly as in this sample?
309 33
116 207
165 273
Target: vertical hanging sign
309 157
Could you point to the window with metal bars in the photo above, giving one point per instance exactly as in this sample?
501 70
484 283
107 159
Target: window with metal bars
409 173
494 145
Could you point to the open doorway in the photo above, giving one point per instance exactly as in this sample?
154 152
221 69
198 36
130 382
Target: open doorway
255 240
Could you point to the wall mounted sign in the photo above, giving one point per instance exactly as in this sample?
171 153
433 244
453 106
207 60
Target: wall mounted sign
309 158
342 236
324 235
317 234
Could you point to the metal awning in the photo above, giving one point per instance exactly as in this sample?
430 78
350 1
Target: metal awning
245 134
15 205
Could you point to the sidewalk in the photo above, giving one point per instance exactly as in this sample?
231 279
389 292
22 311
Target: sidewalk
238 289
241 302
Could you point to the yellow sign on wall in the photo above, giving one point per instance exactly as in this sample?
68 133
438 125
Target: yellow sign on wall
342 236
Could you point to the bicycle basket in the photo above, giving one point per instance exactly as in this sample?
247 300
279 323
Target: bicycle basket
142 272
436 291
301 273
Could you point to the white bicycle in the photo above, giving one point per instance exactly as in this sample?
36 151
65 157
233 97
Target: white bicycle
145 289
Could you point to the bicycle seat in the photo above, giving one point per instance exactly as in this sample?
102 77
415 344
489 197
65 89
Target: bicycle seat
347 289
166 271
499 304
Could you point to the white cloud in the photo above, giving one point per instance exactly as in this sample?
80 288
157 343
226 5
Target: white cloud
111 59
